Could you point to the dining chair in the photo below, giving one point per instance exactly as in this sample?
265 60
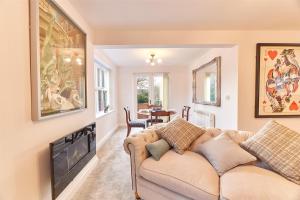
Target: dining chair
133 124
185 112
155 116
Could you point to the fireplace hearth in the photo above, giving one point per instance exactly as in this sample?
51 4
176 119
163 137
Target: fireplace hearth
69 154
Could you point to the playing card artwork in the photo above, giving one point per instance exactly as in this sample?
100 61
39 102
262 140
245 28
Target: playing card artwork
279 73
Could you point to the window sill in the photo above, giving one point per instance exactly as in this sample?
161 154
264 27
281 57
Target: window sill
102 114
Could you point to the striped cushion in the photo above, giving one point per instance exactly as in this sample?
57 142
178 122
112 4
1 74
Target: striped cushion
279 147
180 134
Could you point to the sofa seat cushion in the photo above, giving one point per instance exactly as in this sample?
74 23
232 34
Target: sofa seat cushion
189 174
252 183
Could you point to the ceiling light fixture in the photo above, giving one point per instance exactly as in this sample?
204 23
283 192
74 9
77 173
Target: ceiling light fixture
153 60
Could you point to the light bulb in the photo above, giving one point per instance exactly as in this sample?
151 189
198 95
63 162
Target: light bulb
67 59
159 60
152 63
148 60
79 61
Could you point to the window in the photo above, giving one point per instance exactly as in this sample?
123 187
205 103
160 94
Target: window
210 87
102 88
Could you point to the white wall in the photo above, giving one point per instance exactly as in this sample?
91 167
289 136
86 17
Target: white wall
226 114
246 42
178 84
24 144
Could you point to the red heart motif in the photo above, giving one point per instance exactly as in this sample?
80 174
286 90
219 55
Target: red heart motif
272 54
294 106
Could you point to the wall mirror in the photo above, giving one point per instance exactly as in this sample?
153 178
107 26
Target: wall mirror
207 83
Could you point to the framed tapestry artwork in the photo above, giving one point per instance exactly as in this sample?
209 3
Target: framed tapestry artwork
58 62
277 80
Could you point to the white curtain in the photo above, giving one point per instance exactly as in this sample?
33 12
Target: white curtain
165 90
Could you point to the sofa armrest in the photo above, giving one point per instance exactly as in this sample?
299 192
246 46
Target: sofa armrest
135 146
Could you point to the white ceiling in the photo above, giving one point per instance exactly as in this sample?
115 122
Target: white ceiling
171 57
191 14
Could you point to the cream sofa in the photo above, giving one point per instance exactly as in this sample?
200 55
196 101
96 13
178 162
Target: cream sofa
190 176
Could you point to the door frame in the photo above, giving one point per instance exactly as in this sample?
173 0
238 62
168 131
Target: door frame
151 84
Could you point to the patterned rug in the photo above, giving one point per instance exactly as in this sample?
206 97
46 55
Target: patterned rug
111 179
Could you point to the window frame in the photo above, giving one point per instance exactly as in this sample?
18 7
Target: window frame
99 65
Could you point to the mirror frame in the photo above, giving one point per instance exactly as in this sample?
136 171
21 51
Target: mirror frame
216 60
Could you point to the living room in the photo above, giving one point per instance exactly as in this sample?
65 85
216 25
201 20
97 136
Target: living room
111 25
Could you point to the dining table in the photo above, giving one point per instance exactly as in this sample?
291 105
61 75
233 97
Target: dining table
147 112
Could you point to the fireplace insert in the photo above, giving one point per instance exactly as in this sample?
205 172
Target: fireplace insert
69 154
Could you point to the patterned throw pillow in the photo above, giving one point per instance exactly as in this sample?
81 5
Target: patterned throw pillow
279 147
180 134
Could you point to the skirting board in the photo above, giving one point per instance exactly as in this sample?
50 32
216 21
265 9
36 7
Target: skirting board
122 125
77 182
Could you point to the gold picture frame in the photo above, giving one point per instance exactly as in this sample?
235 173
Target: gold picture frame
213 96
58 62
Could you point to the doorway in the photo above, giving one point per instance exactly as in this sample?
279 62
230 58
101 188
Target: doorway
151 92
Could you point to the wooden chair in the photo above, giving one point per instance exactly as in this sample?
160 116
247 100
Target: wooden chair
154 119
186 112
133 124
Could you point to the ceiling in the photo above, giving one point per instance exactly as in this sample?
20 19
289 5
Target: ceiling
190 14
171 57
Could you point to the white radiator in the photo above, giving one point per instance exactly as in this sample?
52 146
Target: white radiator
203 118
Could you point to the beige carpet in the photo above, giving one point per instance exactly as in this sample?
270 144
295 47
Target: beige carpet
110 180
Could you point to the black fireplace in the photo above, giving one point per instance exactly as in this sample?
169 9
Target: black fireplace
69 155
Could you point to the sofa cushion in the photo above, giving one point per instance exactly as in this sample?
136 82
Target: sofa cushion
213 131
151 191
239 136
180 134
252 183
157 126
209 134
189 174
279 147
224 154
158 148
199 141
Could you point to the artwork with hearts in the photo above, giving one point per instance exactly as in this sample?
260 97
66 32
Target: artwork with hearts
277 80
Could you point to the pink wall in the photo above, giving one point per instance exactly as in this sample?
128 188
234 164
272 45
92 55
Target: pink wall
24 169
229 87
